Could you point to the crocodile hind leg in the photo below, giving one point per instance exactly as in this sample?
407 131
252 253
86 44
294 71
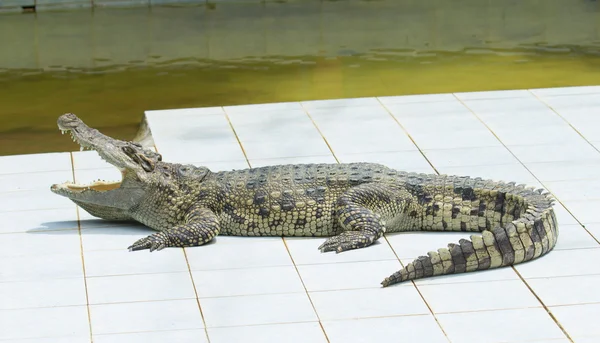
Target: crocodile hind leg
201 226
360 212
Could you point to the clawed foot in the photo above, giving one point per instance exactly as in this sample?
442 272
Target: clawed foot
157 241
346 241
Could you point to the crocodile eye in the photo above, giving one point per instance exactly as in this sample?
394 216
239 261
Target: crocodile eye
128 150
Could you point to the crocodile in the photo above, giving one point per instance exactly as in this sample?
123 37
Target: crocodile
352 204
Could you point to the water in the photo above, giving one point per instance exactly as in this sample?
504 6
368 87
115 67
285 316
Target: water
108 66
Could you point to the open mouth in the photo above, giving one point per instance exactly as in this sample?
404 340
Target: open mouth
96 186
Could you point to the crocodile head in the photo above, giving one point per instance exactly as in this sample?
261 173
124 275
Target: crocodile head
108 200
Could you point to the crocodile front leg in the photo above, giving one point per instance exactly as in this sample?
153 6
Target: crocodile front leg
360 212
200 227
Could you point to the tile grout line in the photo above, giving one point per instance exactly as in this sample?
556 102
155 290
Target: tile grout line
319 130
564 119
305 290
564 331
237 138
187 262
87 296
420 294
523 164
407 134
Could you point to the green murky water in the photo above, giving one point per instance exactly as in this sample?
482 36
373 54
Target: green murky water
108 66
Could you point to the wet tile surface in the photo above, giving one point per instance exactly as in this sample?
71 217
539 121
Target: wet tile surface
58 263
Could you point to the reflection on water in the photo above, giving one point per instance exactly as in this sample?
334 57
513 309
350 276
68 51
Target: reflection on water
108 66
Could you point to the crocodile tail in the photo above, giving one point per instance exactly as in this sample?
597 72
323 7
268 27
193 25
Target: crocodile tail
530 236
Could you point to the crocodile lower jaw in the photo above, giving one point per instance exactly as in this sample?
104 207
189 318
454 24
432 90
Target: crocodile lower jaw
97 186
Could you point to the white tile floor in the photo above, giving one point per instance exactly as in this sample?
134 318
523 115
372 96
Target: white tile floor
67 277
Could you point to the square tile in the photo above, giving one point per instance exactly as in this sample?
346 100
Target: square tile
578 320
278 131
352 275
253 109
39 220
146 316
445 298
116 237
372 302
544 92
411 245
245 254
353 102
32 200
48 322
289 333
288 148
197 129
534 116
40 243
173 152
463 139
572 101
500 94
575 189
124 262
584 210
40 267
271 119
63 339
575 151
421 328
594 229
87 221
469 157
304 250
553 264
142 287
422 109
589 129
521 325
271 123
460 121
400 160
42 293
257 309
179 336
514 172
18 164
524 103
543 134
248 281
33 181
574 237
581 289
420 98
563 216
561 171
365 138
587 339
256 163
